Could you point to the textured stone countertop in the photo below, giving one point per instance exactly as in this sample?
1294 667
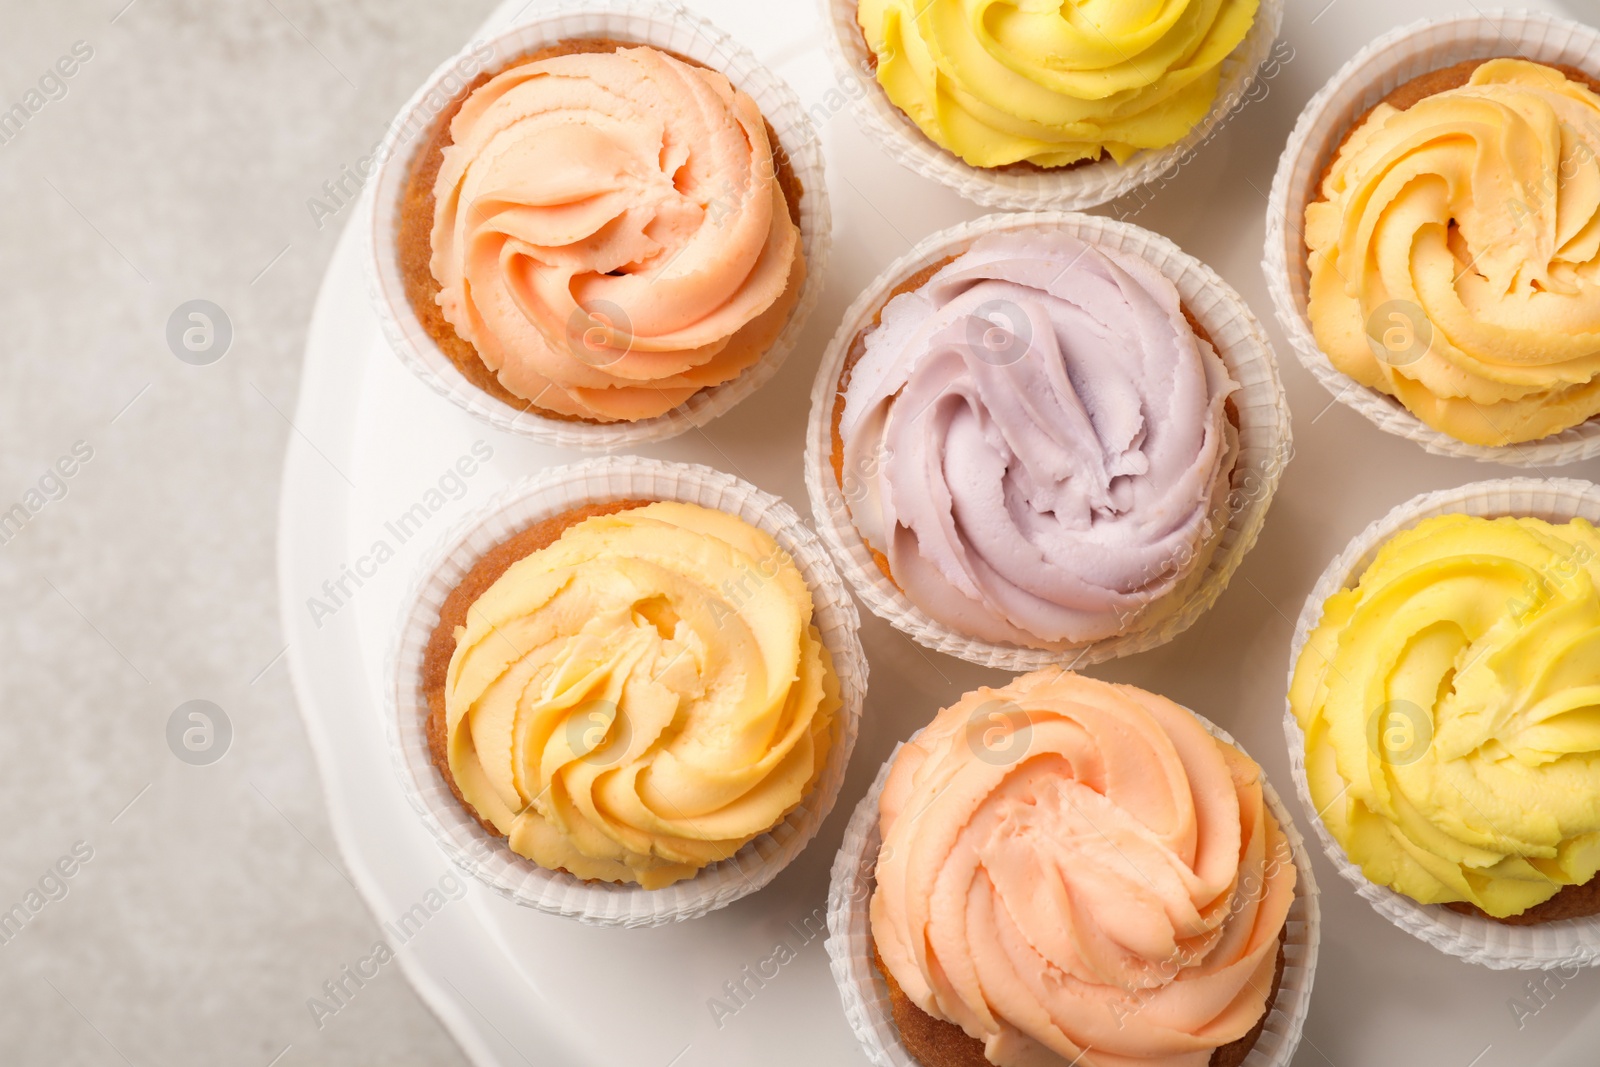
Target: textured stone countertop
153 911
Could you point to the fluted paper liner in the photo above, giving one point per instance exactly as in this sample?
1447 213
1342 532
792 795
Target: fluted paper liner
667 27
866 994
1567 943
1377 70
1019 188
545 496
1264 439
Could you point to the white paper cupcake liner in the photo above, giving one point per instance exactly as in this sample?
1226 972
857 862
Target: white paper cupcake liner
1264 438
1025 189
1567 943
1377 70
669 27
547 495
866 994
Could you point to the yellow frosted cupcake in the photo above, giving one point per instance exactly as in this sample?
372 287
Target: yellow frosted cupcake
1454 247
630 692
1450 704
1002 82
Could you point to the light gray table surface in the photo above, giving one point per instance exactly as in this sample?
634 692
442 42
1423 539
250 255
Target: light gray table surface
177 164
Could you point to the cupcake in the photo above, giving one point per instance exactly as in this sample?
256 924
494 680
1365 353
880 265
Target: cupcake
1012 104
1427 237
599 231
1047 87
1038 440
1034 441
1440 677
599 698
1448 701
628 682
1452 251
605 239
1075 872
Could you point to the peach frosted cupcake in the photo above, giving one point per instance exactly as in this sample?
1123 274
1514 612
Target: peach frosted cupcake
602 238
1072 872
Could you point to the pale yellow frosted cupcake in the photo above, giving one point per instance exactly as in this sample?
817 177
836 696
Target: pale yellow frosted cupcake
630 692
1454 250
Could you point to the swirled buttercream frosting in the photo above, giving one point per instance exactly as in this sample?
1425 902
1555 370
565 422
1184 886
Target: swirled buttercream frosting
1050 83
1076 872
1455 255
1037 442
642 697
1451 709
610 233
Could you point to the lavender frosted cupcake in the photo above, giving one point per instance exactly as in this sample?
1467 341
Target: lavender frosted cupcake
1034 440
1044 438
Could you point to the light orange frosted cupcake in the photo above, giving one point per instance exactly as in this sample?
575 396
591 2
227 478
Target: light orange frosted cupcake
1452 248
599 231
1074 872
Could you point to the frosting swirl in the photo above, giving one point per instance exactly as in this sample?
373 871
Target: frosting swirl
1037 441
1454 257
610 233
1003 81
642 697
1451 707
1076 872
